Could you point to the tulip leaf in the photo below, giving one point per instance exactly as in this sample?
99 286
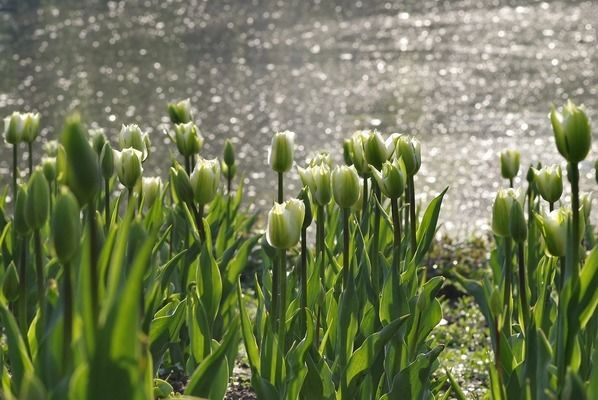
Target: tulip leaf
588 291
427 227
20 363
248 338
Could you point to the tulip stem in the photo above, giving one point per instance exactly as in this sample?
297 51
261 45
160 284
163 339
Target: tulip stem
375 238
304 268
15 172
30 147
282 300
280 187
23 287
522 286
320 241
574 178
107 202
68 314
346 237
508 271
396 221
188 165
551 206
364 206
511 183
412 217
93 254
39 269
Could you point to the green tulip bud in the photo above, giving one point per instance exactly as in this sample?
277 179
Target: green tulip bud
348 151
20 223
228 172
205 179
97 139
107 161
284 224
49 168
151 189
509 163
318 180
572 132
517 223
409 150
131 136
31 127
281 152
180 112
554 231
79 164
321 158
377 151
51 148
188 139
496 303
181 184
586 206
10 285
529 177
128 166
37 207
359 140
13 128
66 226
229 153
304 197
501 211
345 186
391 180
549 182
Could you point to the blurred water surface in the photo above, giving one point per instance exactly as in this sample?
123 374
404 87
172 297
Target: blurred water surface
468 77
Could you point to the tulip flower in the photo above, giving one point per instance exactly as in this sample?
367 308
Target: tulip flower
409 149
572 132
359 140
205 180
49 168
10 284
181 184
180 112
13 128
229 153
348 151
128 166
30 127
554 231
20 224
97 139
509 164
391 180
131 136
345 186
281 152
284 224
501 211
517 223
318 180
321 158
37 206
66 226
549 183
188 139
377 151
51 148
151 187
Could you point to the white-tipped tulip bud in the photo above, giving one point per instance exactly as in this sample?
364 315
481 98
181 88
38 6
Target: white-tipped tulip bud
128 166
205 179
281 152
322 158
20 222
180 112
572 132
345 186
188 139
37 206
391 180
376 150
51 148
49 168
13 128
107 161
131 136
318 180
31 127
549 182
554 231
181 184
151 189
97 139
348 152
229 153
409 150
358 143
284 224
501 211
509 163
517 223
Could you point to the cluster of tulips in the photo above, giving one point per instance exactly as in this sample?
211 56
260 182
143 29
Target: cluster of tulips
542 318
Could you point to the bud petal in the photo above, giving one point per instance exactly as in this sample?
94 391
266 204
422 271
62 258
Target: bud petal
345 186
229 153
66 226
281 152
284 224
572 132
549 182
180 112
409 150
37 207
205 179
10 285
509 163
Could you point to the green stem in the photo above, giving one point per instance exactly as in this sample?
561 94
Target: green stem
94 275
396 221
523 286
364 206
39 269
23 287
346 237
280 187
574 178
304 268
30 147
107 203
188 165
282 300
412 217
15 172
375 238
511 183
68 315
508 271
320 242
551 206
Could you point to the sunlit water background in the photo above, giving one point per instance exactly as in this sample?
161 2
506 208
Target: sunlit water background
469 78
